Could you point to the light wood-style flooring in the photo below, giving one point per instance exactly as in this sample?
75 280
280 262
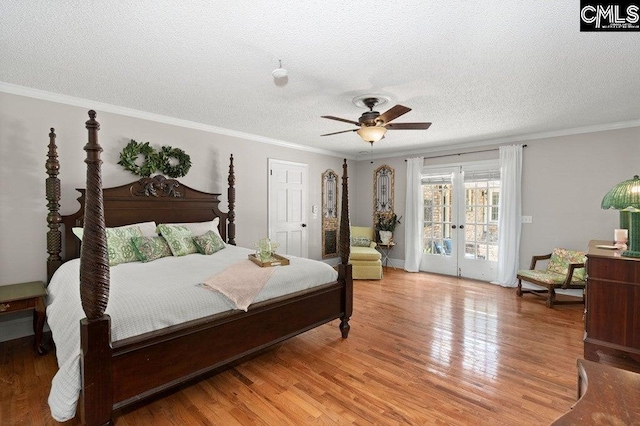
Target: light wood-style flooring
423 349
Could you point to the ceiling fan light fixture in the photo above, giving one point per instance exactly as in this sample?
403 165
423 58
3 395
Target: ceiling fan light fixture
364 101
371 134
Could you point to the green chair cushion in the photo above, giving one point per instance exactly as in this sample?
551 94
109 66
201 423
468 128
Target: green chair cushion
546 277
560 260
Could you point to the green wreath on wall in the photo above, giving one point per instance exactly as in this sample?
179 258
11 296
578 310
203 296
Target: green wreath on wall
177 170
154 160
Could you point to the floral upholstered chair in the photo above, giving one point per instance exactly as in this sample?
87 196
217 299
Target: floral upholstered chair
565 270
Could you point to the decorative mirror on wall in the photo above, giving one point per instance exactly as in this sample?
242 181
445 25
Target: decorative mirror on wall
383 184
383 190
329 214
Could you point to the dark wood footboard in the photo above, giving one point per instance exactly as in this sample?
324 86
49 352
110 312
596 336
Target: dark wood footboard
146 365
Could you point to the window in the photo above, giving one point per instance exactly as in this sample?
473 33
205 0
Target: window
495 199
482 191
438 214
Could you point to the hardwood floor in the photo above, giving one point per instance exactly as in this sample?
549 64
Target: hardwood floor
423 349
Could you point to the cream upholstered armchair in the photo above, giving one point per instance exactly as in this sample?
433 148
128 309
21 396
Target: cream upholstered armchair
364 258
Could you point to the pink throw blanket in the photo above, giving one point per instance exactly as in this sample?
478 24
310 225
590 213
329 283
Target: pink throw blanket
240 282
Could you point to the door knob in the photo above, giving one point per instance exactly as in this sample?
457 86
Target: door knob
461 226
453 227
304 225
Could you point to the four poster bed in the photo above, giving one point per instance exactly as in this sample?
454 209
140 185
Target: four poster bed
143 341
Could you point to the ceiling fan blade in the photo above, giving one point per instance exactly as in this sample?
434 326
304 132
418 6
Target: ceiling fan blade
393 113
408 126
343 131
341 119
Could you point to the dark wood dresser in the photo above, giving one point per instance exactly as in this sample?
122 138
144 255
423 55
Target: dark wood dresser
612 320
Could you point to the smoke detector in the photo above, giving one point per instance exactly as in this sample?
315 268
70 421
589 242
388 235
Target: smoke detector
279 72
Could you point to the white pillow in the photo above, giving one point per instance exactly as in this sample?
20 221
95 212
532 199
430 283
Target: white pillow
201 228
148 229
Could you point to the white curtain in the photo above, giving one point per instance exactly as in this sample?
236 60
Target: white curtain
414 215
509 215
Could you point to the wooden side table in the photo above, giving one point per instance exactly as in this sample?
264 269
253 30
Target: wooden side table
22 297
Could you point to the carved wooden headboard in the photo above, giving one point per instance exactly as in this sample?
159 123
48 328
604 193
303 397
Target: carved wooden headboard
149 199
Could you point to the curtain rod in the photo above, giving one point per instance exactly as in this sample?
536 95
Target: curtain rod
463 153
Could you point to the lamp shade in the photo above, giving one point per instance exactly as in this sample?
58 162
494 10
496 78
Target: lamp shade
371 133
624 196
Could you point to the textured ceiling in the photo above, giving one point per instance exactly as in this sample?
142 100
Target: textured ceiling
479 71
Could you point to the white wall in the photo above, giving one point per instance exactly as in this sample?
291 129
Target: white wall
24 129
563 183
564 180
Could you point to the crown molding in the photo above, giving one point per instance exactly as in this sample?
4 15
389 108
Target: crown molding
129 112
507 140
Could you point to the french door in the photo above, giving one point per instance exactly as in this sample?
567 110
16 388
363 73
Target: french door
460 229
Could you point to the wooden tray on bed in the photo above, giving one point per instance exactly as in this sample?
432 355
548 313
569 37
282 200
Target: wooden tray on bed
274 260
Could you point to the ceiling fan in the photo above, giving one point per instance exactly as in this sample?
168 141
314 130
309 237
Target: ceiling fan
373 125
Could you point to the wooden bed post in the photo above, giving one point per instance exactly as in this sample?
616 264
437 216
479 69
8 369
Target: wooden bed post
54 237
231 197
96 402
344 269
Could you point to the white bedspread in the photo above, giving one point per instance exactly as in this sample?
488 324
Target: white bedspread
145 297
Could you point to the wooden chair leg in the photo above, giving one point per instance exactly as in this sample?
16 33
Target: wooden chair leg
551 298
519 290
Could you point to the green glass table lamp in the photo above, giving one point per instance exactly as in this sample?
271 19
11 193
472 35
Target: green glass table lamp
625 197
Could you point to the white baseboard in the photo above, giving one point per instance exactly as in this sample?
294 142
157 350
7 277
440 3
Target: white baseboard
16 328
395 263
567 292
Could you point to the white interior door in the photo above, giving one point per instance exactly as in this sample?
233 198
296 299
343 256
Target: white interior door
288 200
460 230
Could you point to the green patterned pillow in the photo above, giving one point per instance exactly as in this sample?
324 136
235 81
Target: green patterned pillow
119 246
180 239
209 243
150 248
360 242
560 259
